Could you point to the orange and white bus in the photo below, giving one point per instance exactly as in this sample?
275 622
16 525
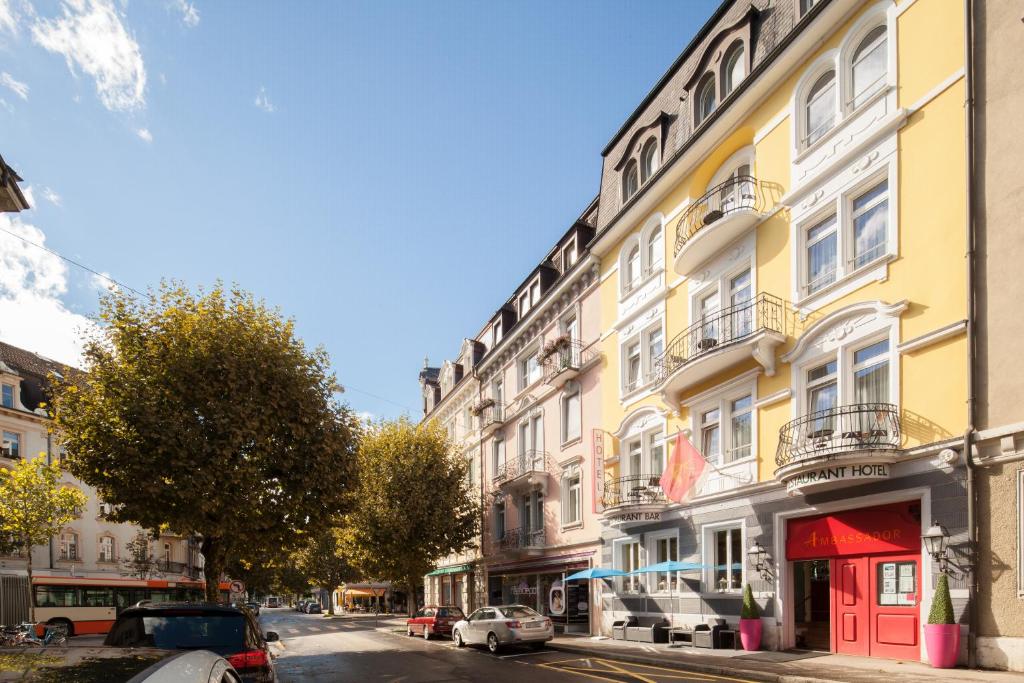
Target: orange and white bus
90 605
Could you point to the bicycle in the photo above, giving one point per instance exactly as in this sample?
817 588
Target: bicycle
24 635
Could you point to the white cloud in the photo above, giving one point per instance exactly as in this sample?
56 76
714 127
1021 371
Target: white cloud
263 102
366 417
50 195
6 105
30 194
7 17
103 283
17 87
91 37
189 13
144 134
32 282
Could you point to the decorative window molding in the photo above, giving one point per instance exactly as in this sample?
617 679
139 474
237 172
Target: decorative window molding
718 568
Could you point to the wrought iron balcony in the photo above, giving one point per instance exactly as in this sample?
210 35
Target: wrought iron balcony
634 489
565 360
827 434
491 416
749 329
525 466
717 218
177 568
522 539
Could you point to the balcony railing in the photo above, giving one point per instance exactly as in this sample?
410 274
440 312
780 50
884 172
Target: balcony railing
739 193
529 462
491 415
635 489
722 328
566 359
836 431
182 568
519 539
68 555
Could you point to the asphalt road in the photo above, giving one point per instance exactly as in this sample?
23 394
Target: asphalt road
318 650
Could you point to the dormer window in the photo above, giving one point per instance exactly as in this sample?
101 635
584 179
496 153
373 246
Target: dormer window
497 332
8 396
734 68
648 160
524 304
630 181
807 5
705 102
568 256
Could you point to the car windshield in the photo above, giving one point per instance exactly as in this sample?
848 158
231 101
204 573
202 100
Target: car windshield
221 633
450 612
517 612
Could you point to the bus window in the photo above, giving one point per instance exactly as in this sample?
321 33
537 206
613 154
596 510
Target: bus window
97 597
57 596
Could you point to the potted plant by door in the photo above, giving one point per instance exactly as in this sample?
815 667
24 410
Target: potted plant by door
750 621
942 633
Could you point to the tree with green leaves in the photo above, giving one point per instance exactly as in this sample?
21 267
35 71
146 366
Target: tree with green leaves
415 504
203 412
324 562
34 507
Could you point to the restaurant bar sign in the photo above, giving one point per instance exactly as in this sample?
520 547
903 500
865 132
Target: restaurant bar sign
634 517
837 474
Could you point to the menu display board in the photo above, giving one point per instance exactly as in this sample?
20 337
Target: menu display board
897 583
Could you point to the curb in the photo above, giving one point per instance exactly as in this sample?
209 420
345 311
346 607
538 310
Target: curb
696 667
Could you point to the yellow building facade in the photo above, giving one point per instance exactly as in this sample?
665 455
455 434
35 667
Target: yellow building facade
782 237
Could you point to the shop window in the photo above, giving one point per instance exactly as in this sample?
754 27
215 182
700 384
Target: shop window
666 549
726 575
629 560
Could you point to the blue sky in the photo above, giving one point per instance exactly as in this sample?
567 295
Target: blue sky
384 172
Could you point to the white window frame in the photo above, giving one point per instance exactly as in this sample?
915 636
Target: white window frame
644 438
101 554
636 583
727 85
19 438
571 389
497 332
653 539
647 375
708 79
70 539
708 549
14 396
647 171
567 250
531 443
721 400
631 168
840 205
572 518
499 455
522 369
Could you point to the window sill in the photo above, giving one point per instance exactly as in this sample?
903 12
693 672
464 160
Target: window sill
571 526
655 273
837 289
572 442
639 392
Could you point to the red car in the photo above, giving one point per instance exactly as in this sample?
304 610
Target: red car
432 620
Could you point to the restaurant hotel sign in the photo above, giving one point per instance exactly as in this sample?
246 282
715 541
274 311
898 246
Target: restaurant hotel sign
836 474
864 531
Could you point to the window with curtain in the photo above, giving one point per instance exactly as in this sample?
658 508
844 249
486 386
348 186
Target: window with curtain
728 572
870 224
741 417
648 160
822 257
571 416
106 549
740 293
871 373
69 546
655 347
705 99
655 250
629 560
820 108
656 452
734 69
572 496
632 358
868 68
633 268
634 456
711 435
667 550
822 395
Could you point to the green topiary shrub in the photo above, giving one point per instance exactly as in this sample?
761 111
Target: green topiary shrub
750 610
942 604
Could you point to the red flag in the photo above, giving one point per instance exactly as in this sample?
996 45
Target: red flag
684 471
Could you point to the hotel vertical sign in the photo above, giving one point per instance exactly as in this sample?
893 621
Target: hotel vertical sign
597 451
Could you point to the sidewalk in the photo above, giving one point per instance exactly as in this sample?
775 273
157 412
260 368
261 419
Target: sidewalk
777 667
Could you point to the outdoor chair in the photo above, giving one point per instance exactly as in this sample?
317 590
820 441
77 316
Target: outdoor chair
619 627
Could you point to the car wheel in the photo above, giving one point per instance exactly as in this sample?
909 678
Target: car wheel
492 643
68 625
426 633
457 637
408 630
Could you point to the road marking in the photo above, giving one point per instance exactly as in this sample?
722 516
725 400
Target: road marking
586 668
292 630
520 654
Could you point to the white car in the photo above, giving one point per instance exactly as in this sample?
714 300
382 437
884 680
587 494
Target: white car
503 625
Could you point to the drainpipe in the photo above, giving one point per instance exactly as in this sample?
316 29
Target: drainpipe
483 517
972 533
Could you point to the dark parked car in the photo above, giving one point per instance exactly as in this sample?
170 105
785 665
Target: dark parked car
228 631
254 606
312 607
433 620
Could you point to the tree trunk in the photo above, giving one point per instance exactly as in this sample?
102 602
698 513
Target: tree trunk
213 566
410 599
31 596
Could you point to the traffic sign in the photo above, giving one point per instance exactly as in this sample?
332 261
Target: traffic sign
237 587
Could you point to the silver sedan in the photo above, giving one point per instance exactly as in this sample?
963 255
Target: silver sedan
503 625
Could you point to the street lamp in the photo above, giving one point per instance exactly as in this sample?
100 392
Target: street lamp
758 557
935 540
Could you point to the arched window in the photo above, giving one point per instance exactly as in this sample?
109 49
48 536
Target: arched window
69 546
820 108
630 181
648 160
868 66
705 99
633 267
107 548
654 248
734 68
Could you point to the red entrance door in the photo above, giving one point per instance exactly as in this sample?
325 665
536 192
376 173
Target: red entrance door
895 615
850 605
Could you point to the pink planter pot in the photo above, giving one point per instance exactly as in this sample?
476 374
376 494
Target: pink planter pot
750 634
943 643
